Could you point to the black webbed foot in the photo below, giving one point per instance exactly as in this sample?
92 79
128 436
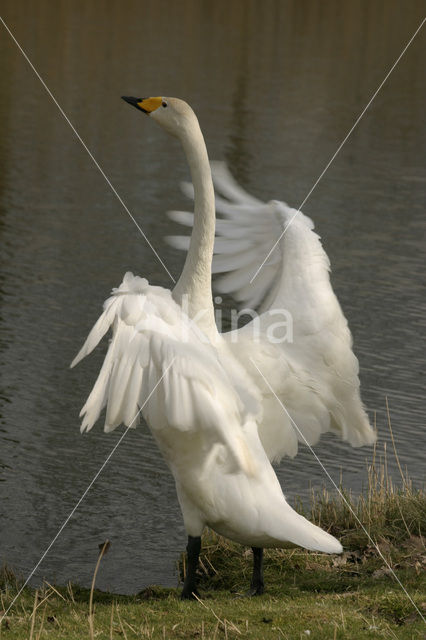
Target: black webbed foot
189 594
257 586
256 591
193 552
251 593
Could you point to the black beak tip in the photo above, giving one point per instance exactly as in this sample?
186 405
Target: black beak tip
135 102
131 100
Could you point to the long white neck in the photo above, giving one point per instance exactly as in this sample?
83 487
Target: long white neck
193 289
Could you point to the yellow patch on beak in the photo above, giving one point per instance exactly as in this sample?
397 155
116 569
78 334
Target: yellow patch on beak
150 104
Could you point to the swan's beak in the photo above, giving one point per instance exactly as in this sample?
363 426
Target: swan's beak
147 105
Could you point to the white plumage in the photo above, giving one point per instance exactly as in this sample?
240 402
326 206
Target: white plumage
203 394
156 346
315 373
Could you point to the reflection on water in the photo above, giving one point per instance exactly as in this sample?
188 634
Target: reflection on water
276 86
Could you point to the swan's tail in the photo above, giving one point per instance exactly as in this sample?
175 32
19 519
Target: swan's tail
293 527
311 537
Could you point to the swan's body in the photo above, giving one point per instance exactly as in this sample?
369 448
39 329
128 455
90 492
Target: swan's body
203 395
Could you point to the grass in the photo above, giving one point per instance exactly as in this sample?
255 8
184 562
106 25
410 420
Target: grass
355 595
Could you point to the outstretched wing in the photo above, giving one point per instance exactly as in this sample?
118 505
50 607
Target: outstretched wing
244 236
298 349
159 364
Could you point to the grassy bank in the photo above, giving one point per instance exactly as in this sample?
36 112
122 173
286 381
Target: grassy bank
355 595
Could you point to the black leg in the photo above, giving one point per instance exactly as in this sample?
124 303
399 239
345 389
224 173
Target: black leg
256 586
193 551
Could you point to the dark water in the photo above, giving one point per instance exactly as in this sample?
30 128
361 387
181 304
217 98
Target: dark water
276 86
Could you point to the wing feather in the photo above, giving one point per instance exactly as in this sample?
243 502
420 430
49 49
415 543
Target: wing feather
227 186
177 385
308 360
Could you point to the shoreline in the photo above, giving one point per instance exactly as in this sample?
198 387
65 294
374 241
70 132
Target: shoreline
357 594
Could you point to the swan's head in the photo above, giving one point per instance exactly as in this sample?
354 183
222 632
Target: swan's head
174 115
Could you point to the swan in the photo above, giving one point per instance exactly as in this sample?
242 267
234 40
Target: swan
206 396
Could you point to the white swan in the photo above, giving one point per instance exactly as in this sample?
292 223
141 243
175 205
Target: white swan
202 394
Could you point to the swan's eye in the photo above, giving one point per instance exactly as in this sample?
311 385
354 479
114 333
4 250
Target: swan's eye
164 104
